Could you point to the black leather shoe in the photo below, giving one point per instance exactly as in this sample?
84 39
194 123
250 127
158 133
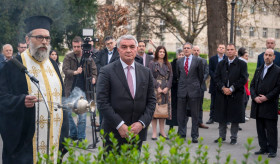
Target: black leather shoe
271 155
154 139
194 140
217 140
74 138
163 136
260 152
210 121
233 141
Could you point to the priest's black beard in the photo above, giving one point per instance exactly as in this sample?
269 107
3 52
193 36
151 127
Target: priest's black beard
37 54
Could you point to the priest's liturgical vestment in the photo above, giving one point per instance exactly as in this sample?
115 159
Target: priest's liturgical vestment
27 131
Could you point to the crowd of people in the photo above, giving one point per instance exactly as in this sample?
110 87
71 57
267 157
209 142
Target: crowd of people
133 88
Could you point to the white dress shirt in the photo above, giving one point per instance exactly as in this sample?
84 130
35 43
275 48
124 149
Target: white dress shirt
110 54
132 71
190 61
265 68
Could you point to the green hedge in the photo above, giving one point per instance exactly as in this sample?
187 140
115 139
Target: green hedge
179 152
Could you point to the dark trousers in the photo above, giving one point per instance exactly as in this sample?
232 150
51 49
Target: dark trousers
267 134
233 130
213 97
182 118
200 119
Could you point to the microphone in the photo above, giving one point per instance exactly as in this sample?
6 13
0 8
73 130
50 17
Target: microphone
23 69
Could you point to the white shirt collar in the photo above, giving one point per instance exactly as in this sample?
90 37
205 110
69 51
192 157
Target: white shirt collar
124 65
265 66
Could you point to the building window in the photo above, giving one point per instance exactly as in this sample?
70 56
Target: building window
238 31
252 9
251 31
162 25
265 32
277 33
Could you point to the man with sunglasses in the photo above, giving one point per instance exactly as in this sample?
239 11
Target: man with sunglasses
22 46
28 126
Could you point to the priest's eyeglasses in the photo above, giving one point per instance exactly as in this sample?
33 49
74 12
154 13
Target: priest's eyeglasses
41 38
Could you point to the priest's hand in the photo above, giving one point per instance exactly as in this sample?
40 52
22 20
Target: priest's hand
123 131
30 101
136 127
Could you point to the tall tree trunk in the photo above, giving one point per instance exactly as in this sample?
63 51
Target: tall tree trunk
217 27
140 21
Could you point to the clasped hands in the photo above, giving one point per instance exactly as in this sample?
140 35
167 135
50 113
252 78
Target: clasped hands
260 99
226 91
135 128
164 91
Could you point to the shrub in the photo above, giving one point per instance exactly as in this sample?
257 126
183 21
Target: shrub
129 154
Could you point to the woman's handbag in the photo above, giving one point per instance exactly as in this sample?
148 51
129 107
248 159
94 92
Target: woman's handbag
161 110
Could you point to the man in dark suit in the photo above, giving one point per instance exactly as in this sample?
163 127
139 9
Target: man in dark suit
190 74
265 88
230 77
22 46
213 62
141 53
196 52
270 44
125 94
107 55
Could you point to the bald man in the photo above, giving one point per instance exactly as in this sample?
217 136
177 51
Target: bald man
270 44
196 52
265 89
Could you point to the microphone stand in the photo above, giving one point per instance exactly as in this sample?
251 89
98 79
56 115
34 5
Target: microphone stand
48 127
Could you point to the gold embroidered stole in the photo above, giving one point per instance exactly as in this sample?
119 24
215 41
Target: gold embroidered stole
51 88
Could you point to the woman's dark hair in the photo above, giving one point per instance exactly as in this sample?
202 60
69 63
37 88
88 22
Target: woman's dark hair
57 61
165 59
242 51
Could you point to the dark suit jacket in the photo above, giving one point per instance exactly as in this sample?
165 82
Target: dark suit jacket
213 62
116 103
276 61
102 58
268 86
205 74
190 85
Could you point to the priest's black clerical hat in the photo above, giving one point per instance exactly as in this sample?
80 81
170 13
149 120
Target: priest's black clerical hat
36 22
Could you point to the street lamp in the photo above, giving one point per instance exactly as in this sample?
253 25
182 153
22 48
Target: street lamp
232 20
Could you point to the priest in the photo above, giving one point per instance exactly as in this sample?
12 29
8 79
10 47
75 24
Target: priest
24 124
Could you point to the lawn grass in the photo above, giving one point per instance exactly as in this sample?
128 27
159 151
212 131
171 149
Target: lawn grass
251 67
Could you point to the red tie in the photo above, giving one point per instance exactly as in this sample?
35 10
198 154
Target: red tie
186 67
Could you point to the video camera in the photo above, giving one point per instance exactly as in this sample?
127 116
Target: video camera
86 47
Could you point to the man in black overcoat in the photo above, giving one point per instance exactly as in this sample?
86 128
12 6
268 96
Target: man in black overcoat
213 62
265 88
230 77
